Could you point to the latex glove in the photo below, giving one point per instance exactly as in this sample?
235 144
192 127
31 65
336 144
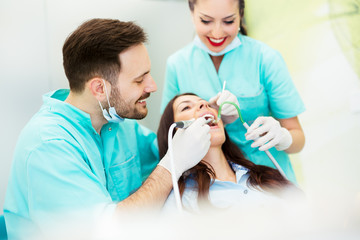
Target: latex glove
189 147
267 133
228 112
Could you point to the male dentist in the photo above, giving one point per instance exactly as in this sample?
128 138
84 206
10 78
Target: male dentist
82 153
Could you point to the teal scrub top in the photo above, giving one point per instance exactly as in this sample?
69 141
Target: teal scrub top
61 164
255 73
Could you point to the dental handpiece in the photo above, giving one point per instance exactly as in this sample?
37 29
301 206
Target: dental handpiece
186 123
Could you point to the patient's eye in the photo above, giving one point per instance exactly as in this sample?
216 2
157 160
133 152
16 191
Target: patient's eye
185 108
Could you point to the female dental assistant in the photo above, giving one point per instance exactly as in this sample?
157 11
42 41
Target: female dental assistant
255 73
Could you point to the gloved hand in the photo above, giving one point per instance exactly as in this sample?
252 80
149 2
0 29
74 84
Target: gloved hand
189 147
228 112
267 133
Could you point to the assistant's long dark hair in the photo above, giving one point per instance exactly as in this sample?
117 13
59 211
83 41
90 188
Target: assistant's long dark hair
261 177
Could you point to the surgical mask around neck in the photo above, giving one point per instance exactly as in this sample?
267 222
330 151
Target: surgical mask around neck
110 115
234 44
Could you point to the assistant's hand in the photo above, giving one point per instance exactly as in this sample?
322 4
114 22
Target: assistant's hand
189 147
228 112
267 133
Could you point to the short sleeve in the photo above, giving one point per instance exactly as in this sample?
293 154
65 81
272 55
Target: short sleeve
284 99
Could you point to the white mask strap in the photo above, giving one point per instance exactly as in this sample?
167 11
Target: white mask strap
107 97
102 109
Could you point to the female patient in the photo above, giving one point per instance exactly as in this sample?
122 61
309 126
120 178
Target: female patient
224 178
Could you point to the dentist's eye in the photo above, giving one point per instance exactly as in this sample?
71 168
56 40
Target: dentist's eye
139 80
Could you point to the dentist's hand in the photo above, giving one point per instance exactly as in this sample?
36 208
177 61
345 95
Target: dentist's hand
189 147
267 133
228 112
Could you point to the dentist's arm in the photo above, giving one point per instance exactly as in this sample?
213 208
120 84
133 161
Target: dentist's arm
152 193
189 147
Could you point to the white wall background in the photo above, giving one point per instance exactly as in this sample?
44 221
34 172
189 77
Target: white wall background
32 34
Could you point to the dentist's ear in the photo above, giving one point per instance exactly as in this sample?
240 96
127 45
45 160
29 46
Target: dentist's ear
97 88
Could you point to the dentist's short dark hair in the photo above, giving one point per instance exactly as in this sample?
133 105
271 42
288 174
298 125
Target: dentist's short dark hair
93 49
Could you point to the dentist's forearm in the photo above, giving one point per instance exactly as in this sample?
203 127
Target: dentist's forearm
152 194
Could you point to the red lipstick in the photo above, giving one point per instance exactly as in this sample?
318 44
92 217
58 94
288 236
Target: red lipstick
216 44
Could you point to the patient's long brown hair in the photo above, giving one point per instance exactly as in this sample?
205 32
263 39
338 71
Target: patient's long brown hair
261 177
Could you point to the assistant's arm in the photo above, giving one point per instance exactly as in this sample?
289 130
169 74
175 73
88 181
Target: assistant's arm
297 134
284 101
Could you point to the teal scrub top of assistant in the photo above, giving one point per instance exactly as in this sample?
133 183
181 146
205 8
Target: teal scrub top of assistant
255 73
61 165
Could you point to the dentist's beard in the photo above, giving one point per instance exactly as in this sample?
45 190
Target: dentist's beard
126 109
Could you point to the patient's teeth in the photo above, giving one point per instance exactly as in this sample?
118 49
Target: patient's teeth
209 118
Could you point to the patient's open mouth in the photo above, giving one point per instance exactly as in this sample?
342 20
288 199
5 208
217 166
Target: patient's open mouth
210 120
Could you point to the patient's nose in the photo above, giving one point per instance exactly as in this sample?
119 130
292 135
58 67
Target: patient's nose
203 105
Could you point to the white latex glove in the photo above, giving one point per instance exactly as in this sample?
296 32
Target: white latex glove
228 112
189 147
267 133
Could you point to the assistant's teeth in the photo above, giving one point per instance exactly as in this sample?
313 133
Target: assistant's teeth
141 101
217 40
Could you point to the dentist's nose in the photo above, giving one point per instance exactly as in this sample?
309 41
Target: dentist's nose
150 85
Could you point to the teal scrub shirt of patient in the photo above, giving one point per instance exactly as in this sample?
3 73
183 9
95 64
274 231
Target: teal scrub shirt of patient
255 73
62 165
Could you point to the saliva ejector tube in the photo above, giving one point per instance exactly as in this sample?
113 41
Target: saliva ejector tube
247 126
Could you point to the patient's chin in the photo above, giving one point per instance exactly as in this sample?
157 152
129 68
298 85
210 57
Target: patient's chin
217 139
